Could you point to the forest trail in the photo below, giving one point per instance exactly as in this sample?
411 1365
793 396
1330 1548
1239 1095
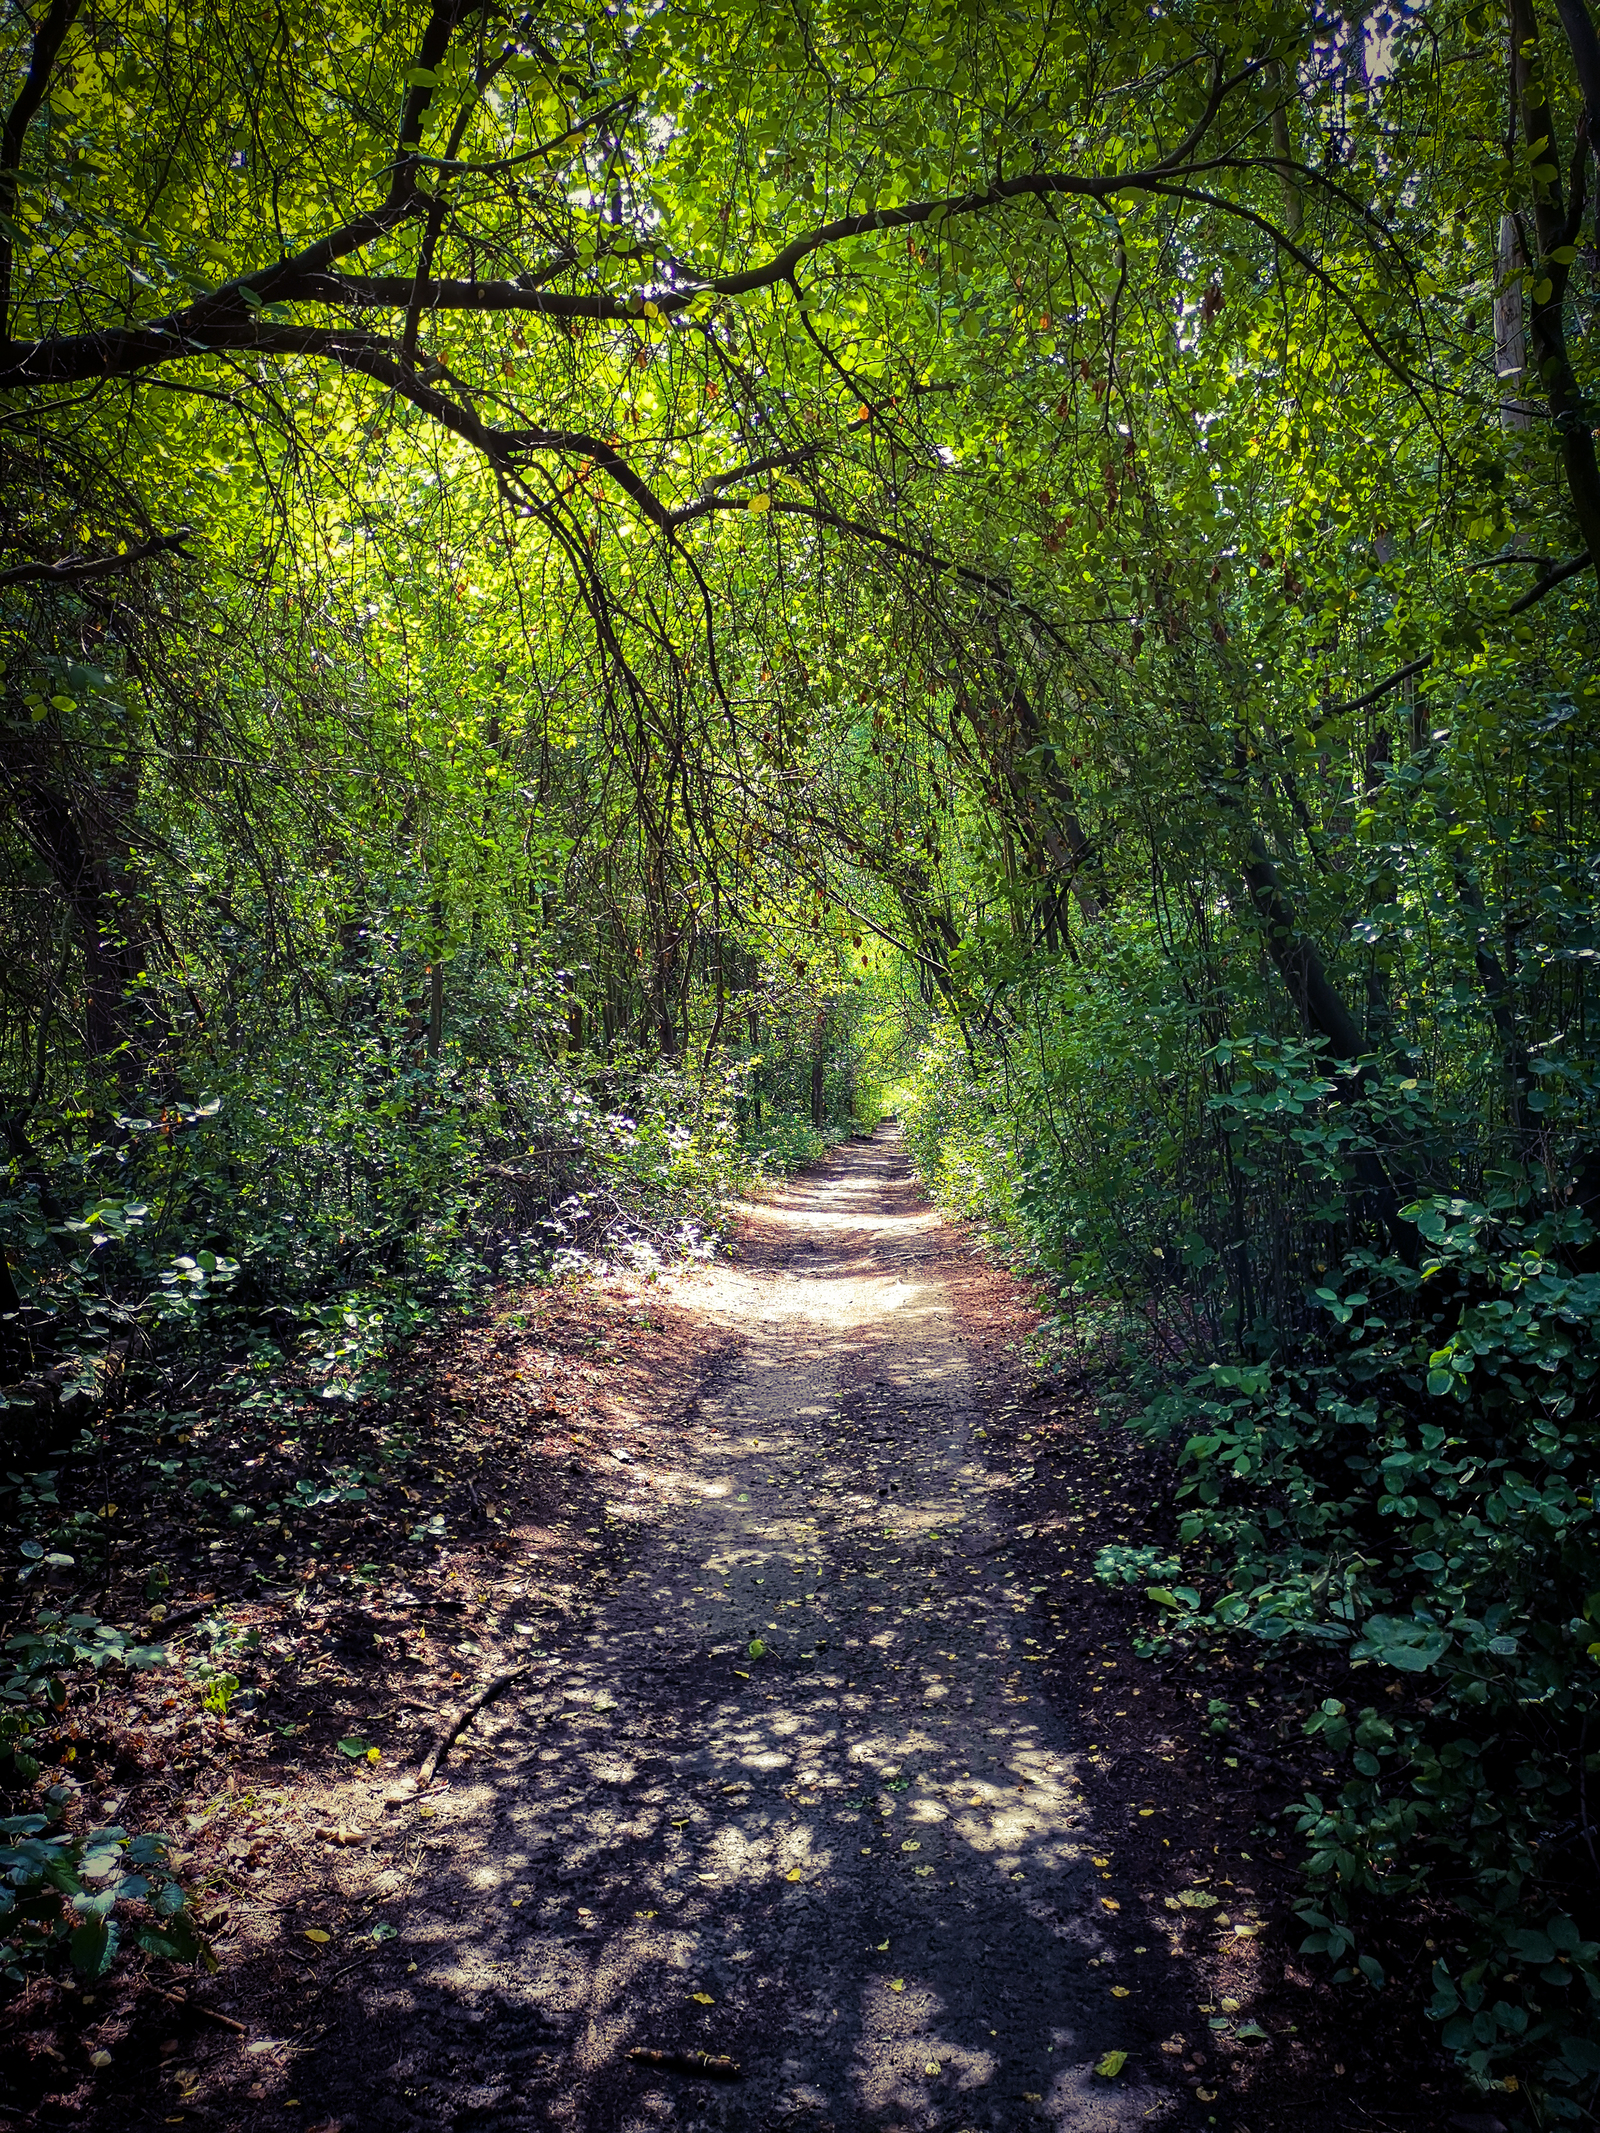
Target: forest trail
857 1862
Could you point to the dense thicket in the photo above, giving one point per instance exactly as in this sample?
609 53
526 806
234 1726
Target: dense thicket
576 586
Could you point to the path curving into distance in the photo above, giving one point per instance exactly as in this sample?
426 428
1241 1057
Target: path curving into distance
858 1863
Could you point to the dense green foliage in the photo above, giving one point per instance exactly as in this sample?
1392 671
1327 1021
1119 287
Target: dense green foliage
576 592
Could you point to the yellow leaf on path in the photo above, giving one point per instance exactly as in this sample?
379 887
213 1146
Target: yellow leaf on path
704 1998
316 1933
1112 2064
932 2067
910 1845
1109 1903
1119 1992
897 1984
883 1947
794 1874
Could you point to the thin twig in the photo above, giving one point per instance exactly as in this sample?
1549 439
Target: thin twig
200 2008
462 1720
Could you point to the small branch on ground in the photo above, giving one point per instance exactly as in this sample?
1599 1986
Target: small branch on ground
461 1720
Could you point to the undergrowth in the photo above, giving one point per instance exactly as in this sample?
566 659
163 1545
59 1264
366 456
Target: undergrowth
1383 1421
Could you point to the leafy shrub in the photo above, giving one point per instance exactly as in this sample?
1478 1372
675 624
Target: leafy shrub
1370 1331
40 1658
81 1895
958 1138
1422 1502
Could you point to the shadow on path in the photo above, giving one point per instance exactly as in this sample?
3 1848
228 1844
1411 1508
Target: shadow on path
793 1797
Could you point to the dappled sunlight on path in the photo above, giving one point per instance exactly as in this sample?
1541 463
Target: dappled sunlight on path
793 1797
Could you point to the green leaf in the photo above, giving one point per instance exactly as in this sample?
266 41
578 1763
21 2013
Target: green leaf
92 1945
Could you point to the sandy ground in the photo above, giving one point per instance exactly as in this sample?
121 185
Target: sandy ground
794 1798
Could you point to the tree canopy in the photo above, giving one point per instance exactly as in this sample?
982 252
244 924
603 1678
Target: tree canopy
585 592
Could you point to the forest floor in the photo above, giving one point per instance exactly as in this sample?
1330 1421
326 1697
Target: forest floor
826 1755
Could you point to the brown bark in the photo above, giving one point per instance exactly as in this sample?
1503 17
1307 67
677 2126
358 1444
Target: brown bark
1554 229
1321 1010
116 1002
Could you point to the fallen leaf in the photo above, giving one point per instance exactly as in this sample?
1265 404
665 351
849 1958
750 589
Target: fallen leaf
704 1999
355 1749
794 1874
897 1984
883 1947
1109 1903
911 1845
99 2058
757 1649
932 2067
1193 1900
1206 2095
316 1933
1119 1992
1111 2065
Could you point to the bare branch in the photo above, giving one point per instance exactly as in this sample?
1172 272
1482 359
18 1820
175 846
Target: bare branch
74 569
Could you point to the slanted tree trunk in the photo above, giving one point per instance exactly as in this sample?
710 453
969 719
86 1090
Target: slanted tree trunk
121 1019
1553 231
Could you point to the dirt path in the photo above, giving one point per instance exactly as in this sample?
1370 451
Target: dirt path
794 1798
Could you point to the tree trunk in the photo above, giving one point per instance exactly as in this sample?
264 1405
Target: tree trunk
1554 231
1322 1012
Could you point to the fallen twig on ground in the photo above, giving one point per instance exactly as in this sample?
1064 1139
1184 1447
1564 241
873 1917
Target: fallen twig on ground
459 1723
199 2007
716 2064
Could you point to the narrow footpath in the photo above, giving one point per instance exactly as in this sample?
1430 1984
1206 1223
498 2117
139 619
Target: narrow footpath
796 1799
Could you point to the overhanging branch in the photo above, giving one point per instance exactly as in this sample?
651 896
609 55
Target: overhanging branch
74 570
